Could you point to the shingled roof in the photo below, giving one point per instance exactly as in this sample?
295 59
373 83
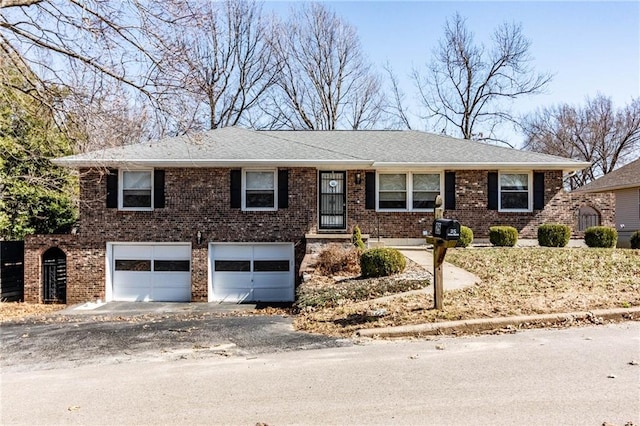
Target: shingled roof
233 146
625 177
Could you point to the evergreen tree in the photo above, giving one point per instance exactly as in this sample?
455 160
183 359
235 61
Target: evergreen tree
36 196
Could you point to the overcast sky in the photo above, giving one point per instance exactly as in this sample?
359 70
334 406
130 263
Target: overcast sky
590 47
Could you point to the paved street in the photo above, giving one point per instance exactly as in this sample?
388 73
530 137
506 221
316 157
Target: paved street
581 376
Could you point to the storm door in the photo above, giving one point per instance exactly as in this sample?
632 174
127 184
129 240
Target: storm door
333 200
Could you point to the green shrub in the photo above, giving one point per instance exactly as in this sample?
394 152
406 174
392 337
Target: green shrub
601 236
553 235
466 237
381 261
635 240
503 236
356 239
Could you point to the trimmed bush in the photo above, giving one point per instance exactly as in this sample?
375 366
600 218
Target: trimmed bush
381 262
466 237
553 235
356 239
635 240
601 236
503 236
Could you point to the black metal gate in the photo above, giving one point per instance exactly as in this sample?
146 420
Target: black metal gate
587 217
333 200
54 276
11 270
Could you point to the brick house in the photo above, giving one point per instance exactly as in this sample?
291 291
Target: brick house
624 183
227 215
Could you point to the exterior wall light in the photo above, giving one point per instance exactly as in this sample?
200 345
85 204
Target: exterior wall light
199 237
358 178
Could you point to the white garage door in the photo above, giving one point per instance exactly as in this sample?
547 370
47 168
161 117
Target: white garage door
151 272
251 272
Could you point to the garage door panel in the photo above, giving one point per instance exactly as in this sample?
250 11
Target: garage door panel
232 252
132 286
251 272
148 272
271 280
272 251
171 294
136 251
172 252
272 295
230 293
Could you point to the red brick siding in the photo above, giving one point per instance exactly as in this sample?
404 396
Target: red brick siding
471 209
198 199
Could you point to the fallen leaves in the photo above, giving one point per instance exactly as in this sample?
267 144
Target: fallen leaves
515 281
15 310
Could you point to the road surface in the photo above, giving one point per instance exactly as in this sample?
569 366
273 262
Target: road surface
581 376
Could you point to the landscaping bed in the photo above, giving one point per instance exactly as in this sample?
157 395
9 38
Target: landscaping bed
514 281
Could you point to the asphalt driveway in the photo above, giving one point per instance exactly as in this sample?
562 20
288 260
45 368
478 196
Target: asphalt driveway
121 332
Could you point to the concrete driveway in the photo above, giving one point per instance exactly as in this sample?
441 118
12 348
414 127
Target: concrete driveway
118 332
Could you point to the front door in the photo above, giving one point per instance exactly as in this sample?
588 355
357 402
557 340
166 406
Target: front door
333 200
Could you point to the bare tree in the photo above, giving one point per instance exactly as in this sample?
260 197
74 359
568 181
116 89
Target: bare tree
466 85
101 113
105 36
325 82
595 132
217 66
396 109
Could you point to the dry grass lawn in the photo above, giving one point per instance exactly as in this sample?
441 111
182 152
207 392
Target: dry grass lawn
18 310
515 281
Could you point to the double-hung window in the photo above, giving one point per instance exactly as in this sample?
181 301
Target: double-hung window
392 191
408 191
136 190
259 190
515 192
426 187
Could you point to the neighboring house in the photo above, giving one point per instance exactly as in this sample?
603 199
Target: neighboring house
229 214
625 184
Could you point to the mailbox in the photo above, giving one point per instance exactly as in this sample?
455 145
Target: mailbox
447 229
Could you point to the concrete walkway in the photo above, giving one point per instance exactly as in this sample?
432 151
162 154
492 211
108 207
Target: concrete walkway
454 277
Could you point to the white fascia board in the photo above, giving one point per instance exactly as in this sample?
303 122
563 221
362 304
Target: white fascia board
134 163
607 189
564 166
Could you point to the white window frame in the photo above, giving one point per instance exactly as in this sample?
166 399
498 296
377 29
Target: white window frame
275 190
409 189
529 191
121 189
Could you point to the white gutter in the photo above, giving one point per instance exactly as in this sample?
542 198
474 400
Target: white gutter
565 166
338 164
79 163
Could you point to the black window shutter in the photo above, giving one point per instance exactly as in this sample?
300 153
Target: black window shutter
283 189
236 189
492 191
370 190
158 189
538 190
450 190
112 189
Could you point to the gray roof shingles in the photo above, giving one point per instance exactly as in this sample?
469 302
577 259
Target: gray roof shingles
627 176
363 147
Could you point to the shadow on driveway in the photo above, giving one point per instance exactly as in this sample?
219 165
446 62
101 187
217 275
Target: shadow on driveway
120 332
